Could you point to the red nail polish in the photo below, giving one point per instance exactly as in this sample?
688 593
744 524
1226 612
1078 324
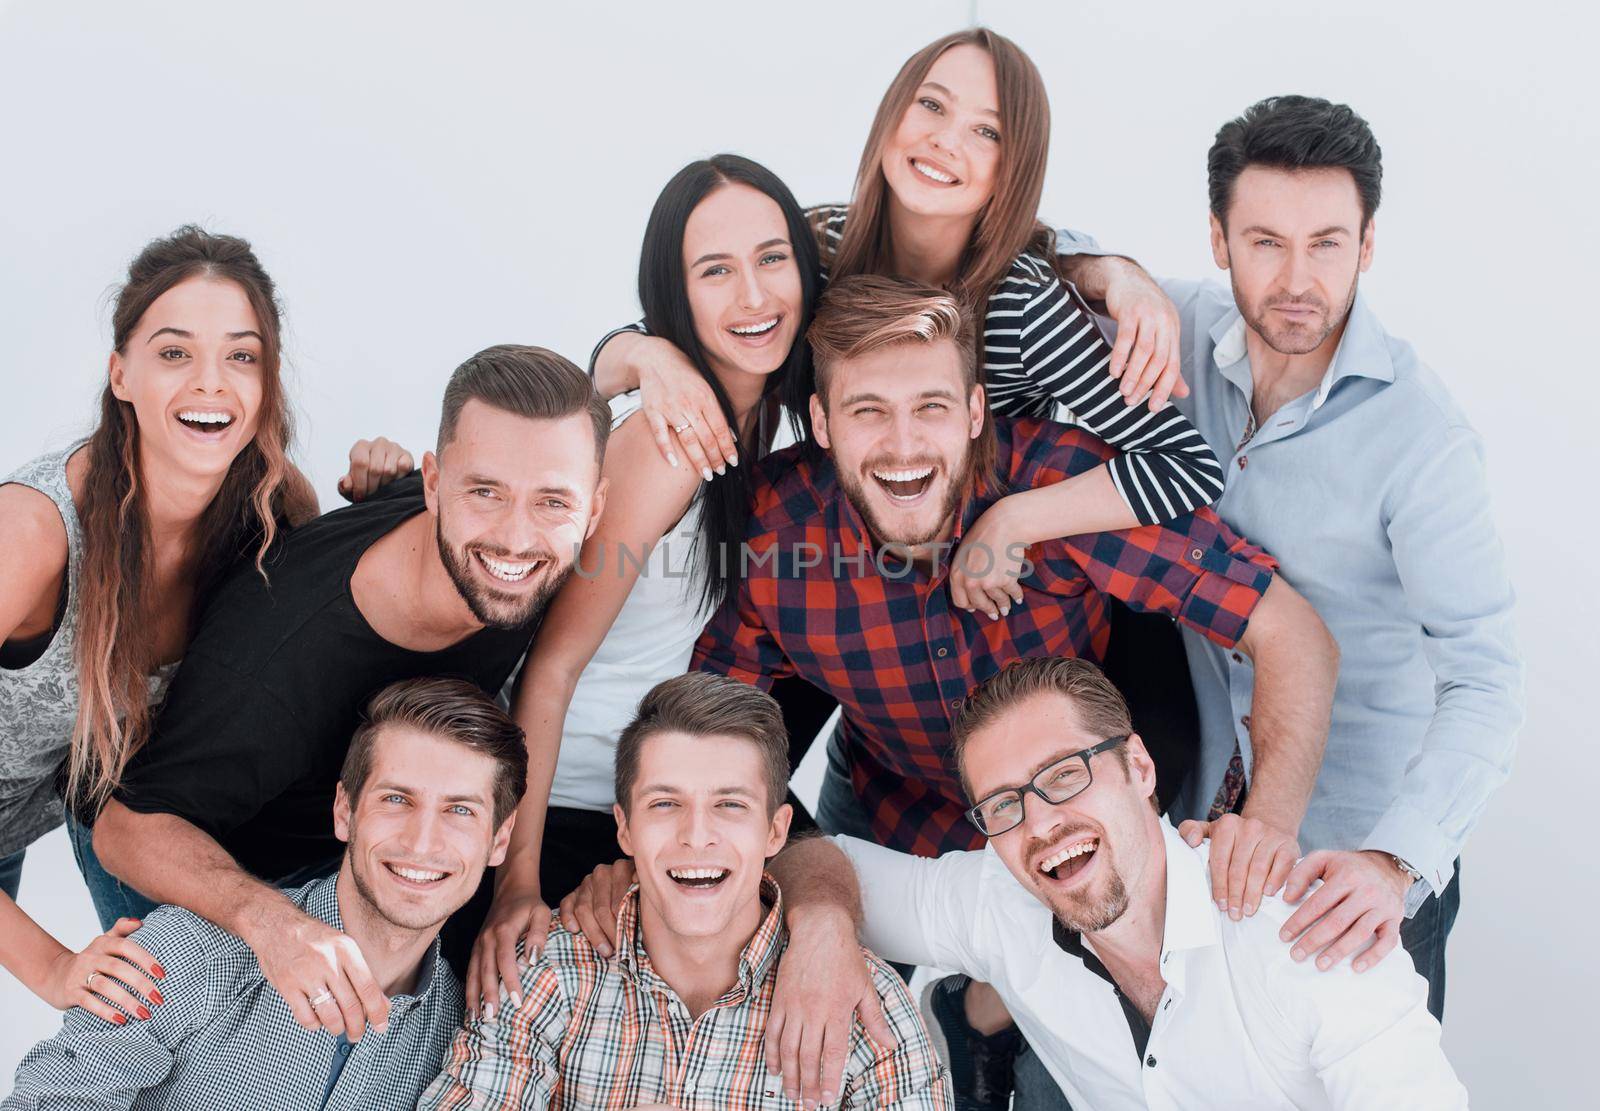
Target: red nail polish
161 973
119 1018
156 997
142 1011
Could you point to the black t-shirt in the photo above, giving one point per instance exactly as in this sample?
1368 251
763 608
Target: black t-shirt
254 730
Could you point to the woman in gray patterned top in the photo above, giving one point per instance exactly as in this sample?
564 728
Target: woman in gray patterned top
106 547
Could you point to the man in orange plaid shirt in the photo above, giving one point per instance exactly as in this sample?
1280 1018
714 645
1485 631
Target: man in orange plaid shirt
678 1018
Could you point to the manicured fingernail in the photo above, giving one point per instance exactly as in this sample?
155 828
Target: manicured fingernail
1233 913
733 460
488 1011
722 469
1298 954
1324 963
705 473
672 458
1222 904
142 1011
119 1018
1360 966
1284 934
827 1097
1250 908
516 999
605 950
161 973
156 997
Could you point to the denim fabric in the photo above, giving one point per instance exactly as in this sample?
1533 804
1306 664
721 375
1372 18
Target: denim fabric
11 873
113 899
1424 935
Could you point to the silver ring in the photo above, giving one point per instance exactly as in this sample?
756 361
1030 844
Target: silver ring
88 981
680 428
321 998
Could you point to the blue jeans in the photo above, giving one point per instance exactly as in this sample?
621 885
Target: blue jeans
1425 935
113 899
11 873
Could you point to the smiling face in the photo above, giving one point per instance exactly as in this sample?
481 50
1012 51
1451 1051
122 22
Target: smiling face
422 830
700 832
192 371
899 425
1084 858
1294 250
742 282
943 158
514 499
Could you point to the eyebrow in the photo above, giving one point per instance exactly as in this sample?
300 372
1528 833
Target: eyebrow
719 255
1333 229
954 97
402 789
247 334
670 789
856 398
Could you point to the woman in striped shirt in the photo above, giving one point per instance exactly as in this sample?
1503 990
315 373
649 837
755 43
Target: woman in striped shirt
947 193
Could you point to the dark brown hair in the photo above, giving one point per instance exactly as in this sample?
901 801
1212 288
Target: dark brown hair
531 382
867 312
702 704
1008 224
261 492
453 710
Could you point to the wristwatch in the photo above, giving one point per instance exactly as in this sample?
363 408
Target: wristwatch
1400 863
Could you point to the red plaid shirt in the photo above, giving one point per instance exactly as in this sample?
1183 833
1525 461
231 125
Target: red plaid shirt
900 657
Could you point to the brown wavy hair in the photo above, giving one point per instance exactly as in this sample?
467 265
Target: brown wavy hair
261 492
1008 225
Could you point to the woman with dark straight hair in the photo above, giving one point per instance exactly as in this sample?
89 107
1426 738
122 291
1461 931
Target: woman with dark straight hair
947 193
728 274
107 549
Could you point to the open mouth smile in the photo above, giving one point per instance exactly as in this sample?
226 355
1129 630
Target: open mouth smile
698 879
1067 863
933 173
420 878
207 423
506 570
905 485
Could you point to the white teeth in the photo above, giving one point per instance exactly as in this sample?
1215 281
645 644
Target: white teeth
902 476
929 172
195 416
509 572
417 875
755 329
1051 863
697 873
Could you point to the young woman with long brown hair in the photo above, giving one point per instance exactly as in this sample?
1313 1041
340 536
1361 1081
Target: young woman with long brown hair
947 193
106 549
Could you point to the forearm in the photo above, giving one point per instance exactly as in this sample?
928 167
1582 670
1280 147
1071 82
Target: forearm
1297 665
614 371
1093 275
1084 503
26 950
172 861
817 881
541 709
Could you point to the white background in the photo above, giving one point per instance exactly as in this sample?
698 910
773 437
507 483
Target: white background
423 182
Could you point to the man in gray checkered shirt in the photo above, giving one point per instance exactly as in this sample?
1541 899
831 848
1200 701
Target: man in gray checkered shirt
425 802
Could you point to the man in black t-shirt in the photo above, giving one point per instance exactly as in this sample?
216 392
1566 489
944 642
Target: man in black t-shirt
444 573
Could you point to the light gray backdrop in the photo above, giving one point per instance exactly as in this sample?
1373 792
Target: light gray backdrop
424 181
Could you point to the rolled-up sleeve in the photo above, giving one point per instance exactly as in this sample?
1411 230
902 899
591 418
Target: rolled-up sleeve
1452 568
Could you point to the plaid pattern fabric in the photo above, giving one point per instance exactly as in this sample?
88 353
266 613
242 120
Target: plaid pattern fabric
605 1036
898 655
224 1038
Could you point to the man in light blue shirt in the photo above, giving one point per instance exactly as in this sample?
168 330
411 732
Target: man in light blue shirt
1347 459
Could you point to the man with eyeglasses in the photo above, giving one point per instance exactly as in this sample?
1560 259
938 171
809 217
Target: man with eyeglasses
1094 920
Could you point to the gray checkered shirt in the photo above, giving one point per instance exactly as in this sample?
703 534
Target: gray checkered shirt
224 1039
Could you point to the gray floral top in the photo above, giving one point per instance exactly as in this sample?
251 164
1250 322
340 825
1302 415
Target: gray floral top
39 702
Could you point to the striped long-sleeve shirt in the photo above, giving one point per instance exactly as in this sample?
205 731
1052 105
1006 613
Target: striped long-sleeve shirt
598 1034
1044 352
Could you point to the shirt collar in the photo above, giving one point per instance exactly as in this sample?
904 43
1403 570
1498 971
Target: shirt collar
853 527
320 899
1190 922
756 959
1363 350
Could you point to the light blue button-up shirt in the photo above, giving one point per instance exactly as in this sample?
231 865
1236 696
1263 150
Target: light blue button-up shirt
1370 490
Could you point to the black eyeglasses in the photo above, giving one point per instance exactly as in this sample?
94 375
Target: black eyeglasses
1056 784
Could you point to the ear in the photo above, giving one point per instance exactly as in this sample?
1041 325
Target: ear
624 838
1219 243
430 482
119 377
1141 768
597 505
778 831
977 411
341 814
502 841
819 422
1368 241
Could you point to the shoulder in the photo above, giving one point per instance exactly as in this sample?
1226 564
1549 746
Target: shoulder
786 490
634 460
1033 451
567 968
31 526
198 956
1427 401
1030 280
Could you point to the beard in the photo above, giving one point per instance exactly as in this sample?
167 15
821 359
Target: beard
1095 911
855 489
500 609
1290 338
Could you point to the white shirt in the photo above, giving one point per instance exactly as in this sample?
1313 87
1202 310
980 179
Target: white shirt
1240 1025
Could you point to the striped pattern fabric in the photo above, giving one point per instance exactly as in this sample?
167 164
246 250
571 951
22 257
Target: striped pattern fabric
609 1035
1041 349
888 643
224 1038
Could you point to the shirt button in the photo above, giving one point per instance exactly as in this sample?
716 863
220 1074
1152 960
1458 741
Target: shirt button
955 704
1150 1061
1243 459
1196 554
943 652
1245 721
1238 659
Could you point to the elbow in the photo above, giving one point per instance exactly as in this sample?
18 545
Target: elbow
1285 623
109 834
